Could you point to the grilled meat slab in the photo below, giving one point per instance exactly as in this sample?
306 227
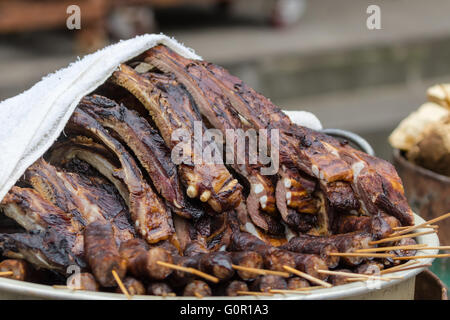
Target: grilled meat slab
53 241
171 109
372 180
152 219
87 199
148 147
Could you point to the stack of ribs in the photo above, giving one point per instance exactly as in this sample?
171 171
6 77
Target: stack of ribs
109 196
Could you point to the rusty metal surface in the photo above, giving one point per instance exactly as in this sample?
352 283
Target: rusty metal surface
428 193
429 287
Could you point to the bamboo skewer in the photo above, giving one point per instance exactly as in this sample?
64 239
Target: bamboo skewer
189 270
410 235
288 291
358 254
6 273
357 279
387 271
443 255
120 283
424 227
357 275
307 276
311 288
444 216
404 265
410 247
437 248
261 271
254 293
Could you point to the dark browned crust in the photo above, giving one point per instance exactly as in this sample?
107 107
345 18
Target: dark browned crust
147 145
249 259
152 219
234 287
297 283
347 242
133 286
86 282
43 249
142 262
159 289
171 109
268 282
307 245
102 253
86 198
197 288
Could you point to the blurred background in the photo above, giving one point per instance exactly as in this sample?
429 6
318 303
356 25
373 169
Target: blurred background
312 55
315 55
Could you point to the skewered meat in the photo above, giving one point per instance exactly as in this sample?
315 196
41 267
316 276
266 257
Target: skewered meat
305 245
83 281
152 219
249 259
234 287
370 268
268 282
217 264
133 286
297 283
102 253
275 258
159 289
197 288
347 242
142 262
148 147
379 225
171 109
337 280
20 269
87 199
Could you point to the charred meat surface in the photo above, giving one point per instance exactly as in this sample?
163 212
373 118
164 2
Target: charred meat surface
171 109
147 145
87 199
102 253
149 214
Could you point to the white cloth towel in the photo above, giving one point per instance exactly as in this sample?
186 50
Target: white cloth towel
31 121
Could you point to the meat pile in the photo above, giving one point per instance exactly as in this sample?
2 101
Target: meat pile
108 195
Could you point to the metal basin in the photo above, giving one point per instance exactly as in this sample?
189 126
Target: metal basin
393 289
428 193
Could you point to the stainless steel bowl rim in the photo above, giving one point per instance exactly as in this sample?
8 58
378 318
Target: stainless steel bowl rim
343 291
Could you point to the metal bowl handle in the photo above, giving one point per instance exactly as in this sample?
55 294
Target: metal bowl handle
353 137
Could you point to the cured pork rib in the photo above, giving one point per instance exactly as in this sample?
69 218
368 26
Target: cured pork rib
262 192
171 109
97 156
374 181
293 190
44 249
152 219
87 199
147 145
54 239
